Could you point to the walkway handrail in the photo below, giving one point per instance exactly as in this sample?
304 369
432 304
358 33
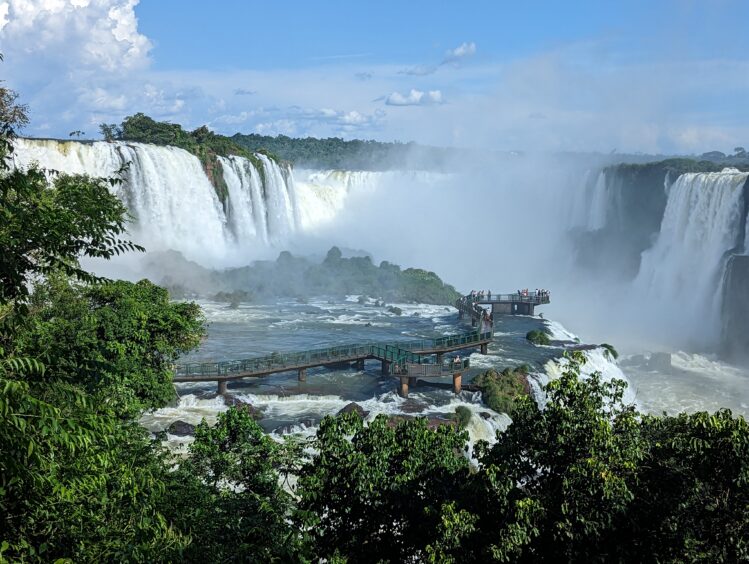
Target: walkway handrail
398 352
530 298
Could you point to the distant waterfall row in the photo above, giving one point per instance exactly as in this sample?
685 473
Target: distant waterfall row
683 230
173 201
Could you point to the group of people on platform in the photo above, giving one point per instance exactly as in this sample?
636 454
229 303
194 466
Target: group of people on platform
540 293
481 294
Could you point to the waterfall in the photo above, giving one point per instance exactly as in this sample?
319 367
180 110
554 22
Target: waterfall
704 222
174 204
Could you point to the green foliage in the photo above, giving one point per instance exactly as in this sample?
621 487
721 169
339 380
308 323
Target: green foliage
45 229
356 154
227 494
75 482
501 390
462 416
117 341
572 463
291 276
610 351
691 493
538 337
383 492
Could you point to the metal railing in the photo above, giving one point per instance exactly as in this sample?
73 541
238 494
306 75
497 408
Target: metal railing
397 353
530 298
434 370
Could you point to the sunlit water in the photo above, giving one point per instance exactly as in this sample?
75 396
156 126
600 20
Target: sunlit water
292 407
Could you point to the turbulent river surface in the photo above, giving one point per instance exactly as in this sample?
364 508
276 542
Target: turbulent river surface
292 407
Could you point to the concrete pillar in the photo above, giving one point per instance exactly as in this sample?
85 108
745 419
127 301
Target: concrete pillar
485 348
440 357
385 367
403 389
302 374
360 364
457 382
221 387
412 381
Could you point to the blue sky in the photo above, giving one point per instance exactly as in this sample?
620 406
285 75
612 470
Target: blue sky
669 76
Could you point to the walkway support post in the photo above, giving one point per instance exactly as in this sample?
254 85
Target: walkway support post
360 364
222 387
440 357
403 389
302 374
385 367
457 382
485 348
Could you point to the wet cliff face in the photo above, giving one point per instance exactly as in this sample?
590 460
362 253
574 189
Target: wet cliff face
735 309
633 199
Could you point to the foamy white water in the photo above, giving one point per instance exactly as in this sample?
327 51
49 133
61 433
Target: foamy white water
173 201
681 275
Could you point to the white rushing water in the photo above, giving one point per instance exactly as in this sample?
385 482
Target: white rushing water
682 273
173 201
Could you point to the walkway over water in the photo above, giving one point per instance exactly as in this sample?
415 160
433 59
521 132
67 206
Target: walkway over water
521 303
406 359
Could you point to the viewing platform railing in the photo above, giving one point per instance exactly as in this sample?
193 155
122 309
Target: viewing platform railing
531 298
397 353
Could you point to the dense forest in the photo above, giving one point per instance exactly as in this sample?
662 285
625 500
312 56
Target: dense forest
586 478
356 154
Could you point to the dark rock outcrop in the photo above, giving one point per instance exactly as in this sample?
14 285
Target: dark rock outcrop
233 401
355 408
181 429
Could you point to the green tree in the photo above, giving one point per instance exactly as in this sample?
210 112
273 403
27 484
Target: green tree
572 464
227 494
118 341
46 228
110 131
384 492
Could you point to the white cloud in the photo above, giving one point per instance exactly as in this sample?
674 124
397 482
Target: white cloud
295 120
414 98
460 52
77 34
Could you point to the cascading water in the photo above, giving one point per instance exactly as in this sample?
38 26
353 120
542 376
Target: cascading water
173 201
681 274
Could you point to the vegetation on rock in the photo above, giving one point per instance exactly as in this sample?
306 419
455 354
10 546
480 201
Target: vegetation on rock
201 142
538 337
501 390
610 351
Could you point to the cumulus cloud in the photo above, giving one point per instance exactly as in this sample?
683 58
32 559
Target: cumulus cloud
414 98
99 35
460 52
